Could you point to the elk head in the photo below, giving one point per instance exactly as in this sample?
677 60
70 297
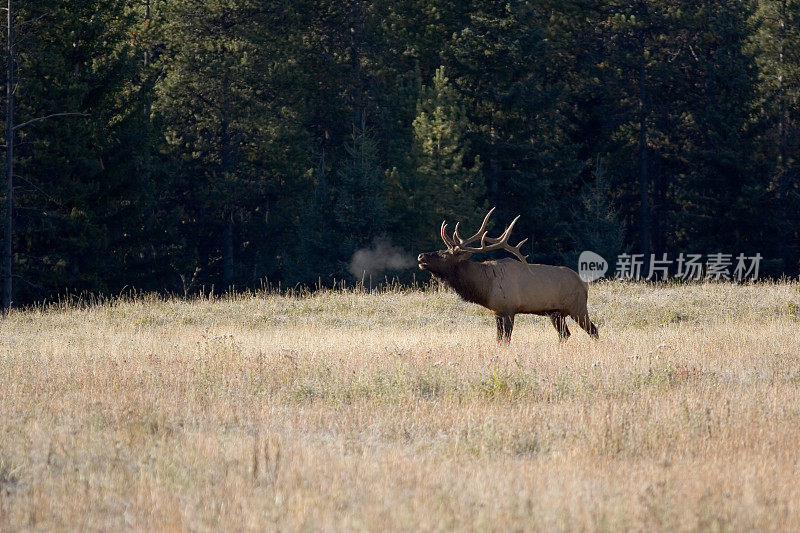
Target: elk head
459 249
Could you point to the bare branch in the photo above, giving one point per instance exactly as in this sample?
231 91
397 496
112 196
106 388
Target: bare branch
37 119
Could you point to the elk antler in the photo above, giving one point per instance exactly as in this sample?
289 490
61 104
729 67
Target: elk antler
450 244
480 234
457 241
499 243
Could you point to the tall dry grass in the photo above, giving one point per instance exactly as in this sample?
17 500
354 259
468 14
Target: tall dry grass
397 410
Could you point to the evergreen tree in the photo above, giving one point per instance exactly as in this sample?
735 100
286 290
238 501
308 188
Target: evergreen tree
596 225
359 206
230 133
777 42
217 143
679 101
444 187
347 212
710 167
497 63
79 200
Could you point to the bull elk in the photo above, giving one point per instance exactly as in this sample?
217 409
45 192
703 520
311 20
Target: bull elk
508 286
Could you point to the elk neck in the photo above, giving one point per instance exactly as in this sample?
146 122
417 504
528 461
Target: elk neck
470 280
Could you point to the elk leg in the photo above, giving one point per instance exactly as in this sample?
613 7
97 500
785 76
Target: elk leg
560 323
583 321
505 324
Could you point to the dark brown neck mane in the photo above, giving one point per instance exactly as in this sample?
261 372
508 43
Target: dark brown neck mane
470 280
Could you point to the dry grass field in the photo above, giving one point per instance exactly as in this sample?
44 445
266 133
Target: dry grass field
397 411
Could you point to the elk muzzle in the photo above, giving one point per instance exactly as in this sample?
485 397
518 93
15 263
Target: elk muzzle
422 260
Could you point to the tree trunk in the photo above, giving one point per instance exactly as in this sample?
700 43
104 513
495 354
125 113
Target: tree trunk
782 175
228 270
227 169
147 170
658 208
357 96
780 167
8 250
492 178
644 179
494 166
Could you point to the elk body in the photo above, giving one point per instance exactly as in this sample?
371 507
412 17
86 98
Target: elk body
508 287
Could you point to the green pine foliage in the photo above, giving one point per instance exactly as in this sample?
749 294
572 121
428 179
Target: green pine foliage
222 143
231 134
596 225
499 64
776 46
444 186
78 197
359 208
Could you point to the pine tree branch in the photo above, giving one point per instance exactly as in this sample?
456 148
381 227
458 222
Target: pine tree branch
37 119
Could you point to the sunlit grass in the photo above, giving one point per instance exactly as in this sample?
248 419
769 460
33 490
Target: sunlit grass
397 410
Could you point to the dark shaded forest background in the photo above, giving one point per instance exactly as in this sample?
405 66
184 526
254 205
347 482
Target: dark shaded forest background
228 142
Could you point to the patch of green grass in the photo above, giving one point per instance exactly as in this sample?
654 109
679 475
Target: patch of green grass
504 385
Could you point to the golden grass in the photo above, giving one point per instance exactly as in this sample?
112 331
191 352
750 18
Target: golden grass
397 410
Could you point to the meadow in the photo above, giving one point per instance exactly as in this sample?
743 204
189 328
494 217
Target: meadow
397 410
